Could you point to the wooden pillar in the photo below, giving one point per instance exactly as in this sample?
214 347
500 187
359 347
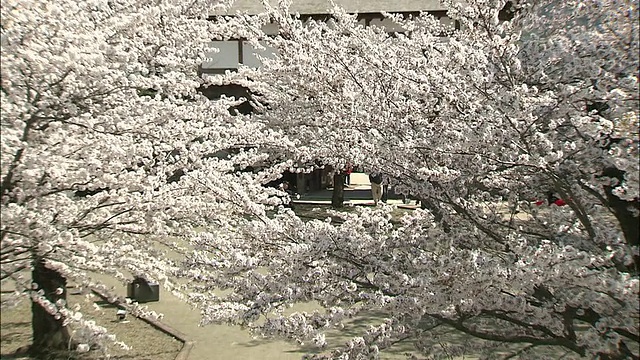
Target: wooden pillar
301 183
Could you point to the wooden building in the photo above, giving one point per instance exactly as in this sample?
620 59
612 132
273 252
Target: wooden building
232 53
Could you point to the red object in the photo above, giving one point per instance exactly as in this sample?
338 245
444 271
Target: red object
560 202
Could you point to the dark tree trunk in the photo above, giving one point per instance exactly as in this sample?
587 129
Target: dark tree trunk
624 212
337 197
301 183
427 204
49 335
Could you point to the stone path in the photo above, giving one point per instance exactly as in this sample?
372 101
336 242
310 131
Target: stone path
357 193
213 342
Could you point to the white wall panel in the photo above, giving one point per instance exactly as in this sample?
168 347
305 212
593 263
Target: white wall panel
226 58
250 58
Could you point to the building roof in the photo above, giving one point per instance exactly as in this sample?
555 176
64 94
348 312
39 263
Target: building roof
311 7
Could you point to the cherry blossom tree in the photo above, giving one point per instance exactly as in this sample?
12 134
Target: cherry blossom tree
479 122
108 149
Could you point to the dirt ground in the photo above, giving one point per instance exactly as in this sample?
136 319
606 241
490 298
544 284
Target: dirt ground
145 341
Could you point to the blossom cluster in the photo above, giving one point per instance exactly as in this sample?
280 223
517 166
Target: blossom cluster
479 123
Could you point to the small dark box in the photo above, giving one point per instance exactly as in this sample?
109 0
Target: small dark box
142 291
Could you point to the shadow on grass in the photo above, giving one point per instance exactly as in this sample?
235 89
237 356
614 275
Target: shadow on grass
14 324
106 305
22 356
13 337
438 342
